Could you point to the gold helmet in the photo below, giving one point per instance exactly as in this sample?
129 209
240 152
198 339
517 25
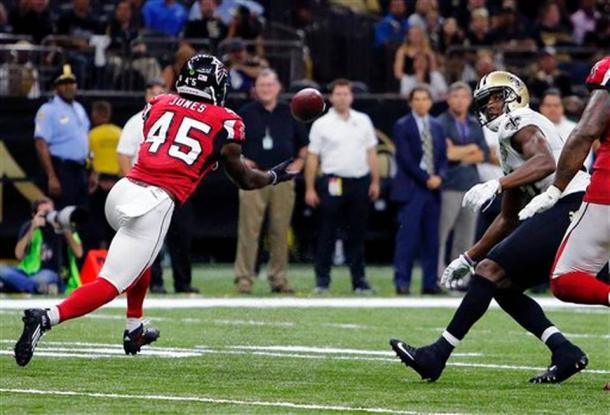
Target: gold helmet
514 95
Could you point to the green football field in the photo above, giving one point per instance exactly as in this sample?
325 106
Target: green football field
303 356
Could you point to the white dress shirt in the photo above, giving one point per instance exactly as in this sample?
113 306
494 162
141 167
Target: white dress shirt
565 127
342 144
131 137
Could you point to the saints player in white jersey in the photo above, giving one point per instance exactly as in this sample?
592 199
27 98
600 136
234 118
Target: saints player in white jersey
511 256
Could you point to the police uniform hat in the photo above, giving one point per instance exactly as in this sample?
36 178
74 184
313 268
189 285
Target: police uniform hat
65 77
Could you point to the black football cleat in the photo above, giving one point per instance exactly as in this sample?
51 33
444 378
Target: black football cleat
564 364
425 361
35 324
135 339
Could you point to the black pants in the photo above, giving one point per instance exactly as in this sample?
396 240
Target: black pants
528 253
352 206
74 180
179 241
101 233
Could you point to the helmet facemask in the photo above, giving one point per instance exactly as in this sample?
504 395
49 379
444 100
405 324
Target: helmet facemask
481 101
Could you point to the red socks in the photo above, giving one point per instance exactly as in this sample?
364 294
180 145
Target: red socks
86 299
136 294
580 287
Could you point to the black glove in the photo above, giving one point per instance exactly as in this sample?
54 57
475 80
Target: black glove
280 173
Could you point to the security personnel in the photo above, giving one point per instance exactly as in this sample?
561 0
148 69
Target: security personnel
62 143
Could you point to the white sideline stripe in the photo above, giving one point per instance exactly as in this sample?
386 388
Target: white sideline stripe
202 399
288 302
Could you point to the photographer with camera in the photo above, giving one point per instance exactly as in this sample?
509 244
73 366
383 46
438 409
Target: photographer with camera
47 248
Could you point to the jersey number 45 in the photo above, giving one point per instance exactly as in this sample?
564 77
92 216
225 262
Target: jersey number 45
184 147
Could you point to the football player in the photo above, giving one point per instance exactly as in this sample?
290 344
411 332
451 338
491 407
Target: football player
511 256
186 136
586 245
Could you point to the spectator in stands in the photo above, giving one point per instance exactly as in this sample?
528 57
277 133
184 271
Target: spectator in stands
450 35
415 42
421 158
458 68
422 8
343 143
551 29
122 32
165 17
247 25
547 75
485 64
19 76
511 29
62 143
359 6
170 72
434 27
466 147
227 8
465 15
103 141
243 67
423 73
4 23
121 28
478 34
584 20
127 155
79 25
136 13
32 18
208 26
600 37
273 136
390 32
552 108
45 252
392 29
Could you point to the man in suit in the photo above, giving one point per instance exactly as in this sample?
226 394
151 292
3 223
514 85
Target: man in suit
421 158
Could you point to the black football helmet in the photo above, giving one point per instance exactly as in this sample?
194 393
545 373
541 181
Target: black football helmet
203 78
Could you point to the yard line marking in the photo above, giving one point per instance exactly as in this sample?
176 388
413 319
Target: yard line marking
55 354
253 323
574 335
203 399
347 326
294 302
331 350
111 350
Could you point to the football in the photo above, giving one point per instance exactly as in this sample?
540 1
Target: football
307 105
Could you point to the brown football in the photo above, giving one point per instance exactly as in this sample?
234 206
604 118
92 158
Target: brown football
307 105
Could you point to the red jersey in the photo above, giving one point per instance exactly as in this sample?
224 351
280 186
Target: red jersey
182 143
599 189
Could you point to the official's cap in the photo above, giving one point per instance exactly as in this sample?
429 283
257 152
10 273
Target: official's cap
66 76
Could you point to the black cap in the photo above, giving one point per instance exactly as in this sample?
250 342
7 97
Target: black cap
65 77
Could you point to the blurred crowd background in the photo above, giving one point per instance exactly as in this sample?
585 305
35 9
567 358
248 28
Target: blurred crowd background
386 45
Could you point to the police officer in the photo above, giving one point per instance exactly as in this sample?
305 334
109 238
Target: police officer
62 143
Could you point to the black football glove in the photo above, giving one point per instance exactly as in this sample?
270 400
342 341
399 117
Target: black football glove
280 173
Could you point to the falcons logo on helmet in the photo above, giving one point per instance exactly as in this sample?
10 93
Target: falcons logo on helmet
599 78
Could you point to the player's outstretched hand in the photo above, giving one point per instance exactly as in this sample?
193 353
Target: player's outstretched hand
544 201
456 273
282 173
481 193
